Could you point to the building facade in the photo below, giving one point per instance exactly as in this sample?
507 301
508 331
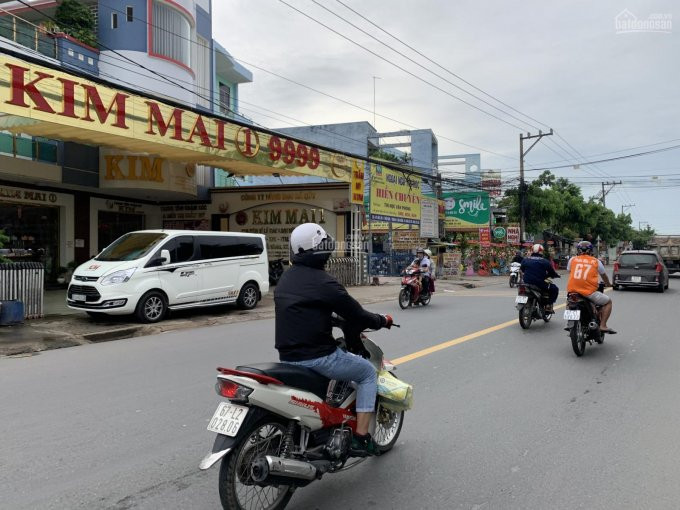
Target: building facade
62 202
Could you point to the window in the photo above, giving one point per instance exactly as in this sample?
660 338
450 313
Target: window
202 67
129 14
114 20
171 33
181 249
225 98
638 259
219 247
131 246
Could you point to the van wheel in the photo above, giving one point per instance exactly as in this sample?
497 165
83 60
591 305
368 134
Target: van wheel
152 307
247 298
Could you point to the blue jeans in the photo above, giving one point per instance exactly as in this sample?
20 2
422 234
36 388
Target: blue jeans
345 366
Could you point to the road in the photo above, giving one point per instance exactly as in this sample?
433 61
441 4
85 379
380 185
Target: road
503 418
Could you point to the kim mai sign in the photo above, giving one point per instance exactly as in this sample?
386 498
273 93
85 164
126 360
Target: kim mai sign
42 101
466 210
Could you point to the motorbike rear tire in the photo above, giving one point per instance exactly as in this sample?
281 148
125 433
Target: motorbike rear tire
513 281
526 314
235 468
425 300
578 339
404 298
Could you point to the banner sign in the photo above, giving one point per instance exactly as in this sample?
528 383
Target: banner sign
513 235
485 237
429 224
491 182
466 209
41 101
357 189
451 263
394 197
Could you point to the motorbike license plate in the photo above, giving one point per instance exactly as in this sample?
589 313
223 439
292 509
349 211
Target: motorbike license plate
227 419
78 297
521 299
636 279
572 315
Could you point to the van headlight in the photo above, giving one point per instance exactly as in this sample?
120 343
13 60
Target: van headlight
118 277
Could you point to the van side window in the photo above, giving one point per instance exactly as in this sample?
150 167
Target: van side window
219 247
181 249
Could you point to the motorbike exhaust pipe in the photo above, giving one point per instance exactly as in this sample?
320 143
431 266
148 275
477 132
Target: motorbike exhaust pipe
593 325
268 470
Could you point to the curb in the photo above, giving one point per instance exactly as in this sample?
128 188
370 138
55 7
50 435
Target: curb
112 334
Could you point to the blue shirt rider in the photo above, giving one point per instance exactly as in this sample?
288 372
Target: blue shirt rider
536 269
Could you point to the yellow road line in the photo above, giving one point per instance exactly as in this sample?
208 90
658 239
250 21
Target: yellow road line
459 340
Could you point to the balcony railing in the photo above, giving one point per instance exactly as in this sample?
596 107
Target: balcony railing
26 34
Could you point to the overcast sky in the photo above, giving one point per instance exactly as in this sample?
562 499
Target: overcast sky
563 64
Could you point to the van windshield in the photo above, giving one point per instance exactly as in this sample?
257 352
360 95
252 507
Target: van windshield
131 246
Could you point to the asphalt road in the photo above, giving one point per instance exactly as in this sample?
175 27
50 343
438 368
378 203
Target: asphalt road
505 419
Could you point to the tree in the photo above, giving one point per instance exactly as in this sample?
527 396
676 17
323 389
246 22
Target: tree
3 240
557 205
76 20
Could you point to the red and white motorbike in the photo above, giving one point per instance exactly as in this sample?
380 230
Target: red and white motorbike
283 426
411 292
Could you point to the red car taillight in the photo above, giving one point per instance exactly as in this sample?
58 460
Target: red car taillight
231 390
658 268
616 267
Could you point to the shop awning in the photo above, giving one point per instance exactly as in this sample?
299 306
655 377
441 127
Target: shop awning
43 101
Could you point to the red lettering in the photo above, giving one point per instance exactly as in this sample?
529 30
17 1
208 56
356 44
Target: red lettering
68 102
20 88
199 127
219 138
175 119
92 98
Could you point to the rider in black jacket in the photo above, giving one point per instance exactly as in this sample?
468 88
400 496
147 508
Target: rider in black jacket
305 298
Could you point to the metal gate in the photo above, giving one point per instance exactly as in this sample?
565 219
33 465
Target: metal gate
24 281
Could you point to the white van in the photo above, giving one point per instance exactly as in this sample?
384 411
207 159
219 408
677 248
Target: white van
150 271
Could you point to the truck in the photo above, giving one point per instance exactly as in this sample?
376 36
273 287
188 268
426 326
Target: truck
669 249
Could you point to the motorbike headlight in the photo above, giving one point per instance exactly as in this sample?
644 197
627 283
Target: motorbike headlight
118 277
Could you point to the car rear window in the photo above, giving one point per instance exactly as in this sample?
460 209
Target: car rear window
637 259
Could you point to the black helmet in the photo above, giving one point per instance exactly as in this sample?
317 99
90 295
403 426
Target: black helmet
584 247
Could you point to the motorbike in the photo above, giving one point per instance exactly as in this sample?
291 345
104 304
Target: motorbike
514 274
532 302
275 271
284 426
583 321
411 292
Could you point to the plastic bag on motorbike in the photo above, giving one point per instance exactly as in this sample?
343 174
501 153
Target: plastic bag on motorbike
394 394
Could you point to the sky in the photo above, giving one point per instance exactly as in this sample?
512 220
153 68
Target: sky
561 63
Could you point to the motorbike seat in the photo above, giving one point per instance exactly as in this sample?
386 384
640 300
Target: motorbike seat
291 375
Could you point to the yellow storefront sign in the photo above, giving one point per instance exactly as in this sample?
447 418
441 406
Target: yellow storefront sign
395 196
41 101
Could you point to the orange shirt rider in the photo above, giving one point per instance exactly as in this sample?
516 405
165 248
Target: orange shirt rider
584 271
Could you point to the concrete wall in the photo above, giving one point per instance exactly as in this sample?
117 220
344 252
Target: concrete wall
351 137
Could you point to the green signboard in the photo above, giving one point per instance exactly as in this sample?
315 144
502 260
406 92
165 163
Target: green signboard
466 209
499 233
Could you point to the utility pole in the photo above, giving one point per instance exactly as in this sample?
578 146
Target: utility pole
522 185
604 193
626 206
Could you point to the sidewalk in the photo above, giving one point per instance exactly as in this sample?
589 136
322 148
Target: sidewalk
63 327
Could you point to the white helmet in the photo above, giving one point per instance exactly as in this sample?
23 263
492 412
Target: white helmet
428 252
309 236
537 249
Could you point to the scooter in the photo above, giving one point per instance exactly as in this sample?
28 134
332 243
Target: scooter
583 321
514 273
532 302
411 292
284 426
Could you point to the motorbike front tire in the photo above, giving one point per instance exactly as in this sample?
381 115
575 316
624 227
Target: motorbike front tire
526 314
384 436
404 298
235 468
